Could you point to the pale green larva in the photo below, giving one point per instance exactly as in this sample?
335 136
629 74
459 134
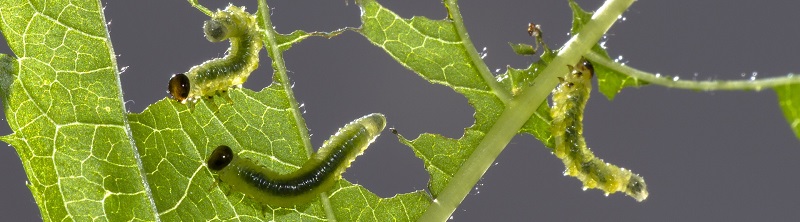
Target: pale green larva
218 75
317 175
569 100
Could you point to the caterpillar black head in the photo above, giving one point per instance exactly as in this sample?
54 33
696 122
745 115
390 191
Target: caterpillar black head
179 87
220 158
584 67
588 67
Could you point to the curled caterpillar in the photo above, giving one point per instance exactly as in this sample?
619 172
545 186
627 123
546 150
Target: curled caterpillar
569 100
317 175
218 75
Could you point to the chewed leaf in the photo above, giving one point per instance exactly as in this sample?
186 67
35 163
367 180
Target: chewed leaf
789 99
286 41
436 51
516 80
316 176
87 158
610 82
175 143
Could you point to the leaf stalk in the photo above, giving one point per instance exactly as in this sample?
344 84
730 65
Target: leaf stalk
712 85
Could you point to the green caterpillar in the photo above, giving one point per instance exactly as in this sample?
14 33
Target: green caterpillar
317 175
216 76
569 100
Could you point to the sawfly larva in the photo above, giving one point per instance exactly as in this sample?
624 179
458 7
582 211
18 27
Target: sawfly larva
216 76
569 100
317 175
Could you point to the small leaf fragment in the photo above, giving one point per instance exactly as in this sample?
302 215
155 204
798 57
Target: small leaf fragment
789 100
522 49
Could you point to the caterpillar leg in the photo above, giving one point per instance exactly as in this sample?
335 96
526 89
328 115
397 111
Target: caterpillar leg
190 104
226 95
211 104
214 184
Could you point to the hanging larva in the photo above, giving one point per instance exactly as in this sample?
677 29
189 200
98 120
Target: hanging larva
569 100
317 175
217 75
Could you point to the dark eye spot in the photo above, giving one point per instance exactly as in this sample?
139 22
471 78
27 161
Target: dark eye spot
569 85
220 158
179 87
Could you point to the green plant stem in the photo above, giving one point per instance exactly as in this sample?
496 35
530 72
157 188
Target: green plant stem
200 7
520 110
690 84
280 77
455 14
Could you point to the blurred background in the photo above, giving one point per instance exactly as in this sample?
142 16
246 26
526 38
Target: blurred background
706 156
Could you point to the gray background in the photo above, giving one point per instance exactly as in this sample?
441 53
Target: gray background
706 156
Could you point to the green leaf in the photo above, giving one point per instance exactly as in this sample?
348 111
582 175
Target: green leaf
789 100
86 158
261 125
609 80
65 107
439 52
523 49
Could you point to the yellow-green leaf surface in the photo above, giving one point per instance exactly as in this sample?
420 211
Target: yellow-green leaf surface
86 158
64 104
260 126
789 100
